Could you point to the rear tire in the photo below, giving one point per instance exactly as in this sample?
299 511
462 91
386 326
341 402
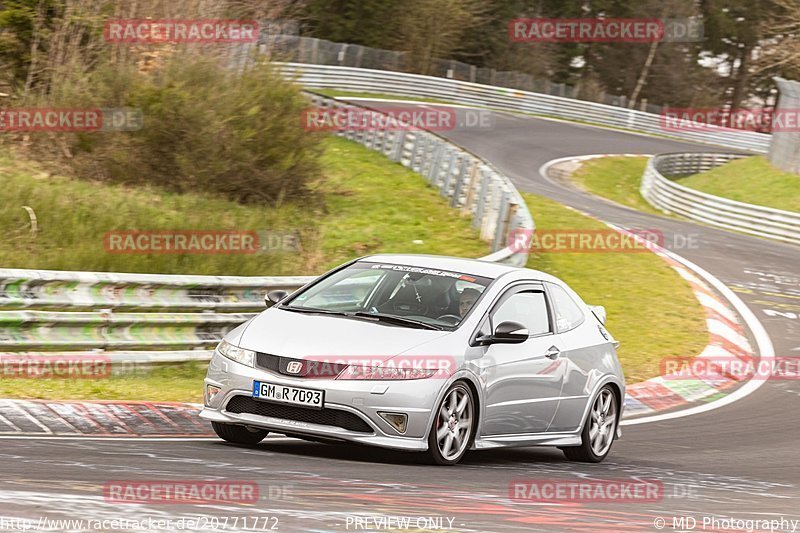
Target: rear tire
238 434
599 429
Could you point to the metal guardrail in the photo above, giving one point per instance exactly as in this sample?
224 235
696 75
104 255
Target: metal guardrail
659 188
137 317
127 317
70 330
500 98
53 289
472 184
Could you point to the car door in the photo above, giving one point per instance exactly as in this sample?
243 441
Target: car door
582 352
522 381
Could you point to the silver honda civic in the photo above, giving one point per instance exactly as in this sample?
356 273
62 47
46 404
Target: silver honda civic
434 354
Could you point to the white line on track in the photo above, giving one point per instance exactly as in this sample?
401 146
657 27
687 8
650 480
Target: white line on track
764 343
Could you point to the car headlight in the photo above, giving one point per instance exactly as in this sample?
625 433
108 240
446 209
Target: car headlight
234 353
385 373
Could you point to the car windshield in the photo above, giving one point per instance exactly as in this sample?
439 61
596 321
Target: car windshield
429 296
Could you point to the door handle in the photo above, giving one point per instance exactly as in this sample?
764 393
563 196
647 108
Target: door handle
552 353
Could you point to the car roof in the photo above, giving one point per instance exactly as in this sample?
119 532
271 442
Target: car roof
461 265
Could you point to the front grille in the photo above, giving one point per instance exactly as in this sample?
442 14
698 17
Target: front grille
309 368
324 417
268 362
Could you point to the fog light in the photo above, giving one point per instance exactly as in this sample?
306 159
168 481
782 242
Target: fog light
212 392
398 421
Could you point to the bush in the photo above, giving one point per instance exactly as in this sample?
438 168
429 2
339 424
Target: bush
206 128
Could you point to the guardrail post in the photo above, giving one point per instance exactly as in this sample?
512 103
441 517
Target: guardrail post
422 153
428 155
502 222
369 137
433 170
448 175
414 150
462 176
397 149
474 182
490 215
485 197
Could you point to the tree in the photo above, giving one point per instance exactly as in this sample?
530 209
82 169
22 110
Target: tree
778 53
733 29
365 22
23 23
433 29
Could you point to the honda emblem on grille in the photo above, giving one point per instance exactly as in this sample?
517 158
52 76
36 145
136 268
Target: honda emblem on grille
294 367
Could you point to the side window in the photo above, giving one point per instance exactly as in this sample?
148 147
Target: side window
529 308
568 314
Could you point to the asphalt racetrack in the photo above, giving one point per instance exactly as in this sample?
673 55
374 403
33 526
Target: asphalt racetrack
739 461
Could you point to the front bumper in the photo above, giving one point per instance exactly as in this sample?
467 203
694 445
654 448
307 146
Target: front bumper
364 399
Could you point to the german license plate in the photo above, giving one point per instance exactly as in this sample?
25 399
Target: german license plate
287 394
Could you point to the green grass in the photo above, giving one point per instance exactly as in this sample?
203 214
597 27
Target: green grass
178 382
363 205
366 204
615 178
375 205
651 309
752 180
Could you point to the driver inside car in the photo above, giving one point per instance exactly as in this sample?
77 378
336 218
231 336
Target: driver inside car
467 300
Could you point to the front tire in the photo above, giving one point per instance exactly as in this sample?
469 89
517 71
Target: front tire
238 434
452 430
598 430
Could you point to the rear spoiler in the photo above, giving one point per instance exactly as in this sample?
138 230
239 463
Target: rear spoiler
599 312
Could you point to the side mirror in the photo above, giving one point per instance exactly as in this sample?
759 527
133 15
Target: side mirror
600 312
275 296
506 333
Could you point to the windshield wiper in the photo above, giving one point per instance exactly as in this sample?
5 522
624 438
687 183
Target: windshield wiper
313 310
378 317
395 320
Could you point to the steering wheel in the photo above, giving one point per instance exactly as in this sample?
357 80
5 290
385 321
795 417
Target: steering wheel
447 318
